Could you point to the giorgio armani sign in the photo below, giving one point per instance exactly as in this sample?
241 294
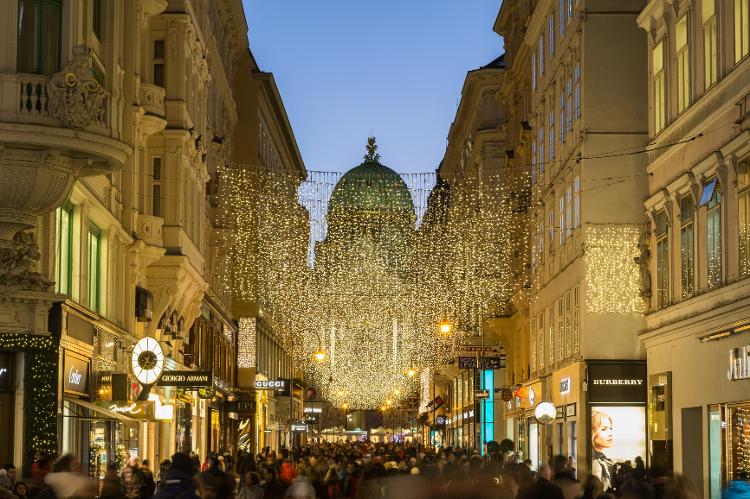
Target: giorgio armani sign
616 381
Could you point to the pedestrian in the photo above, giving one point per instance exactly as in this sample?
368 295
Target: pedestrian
131 485
542 488
111 487
146 480
563 478
272 487
215 481
178 479
66 480
163 467
572 466
6 487
332 483
39 470
21 490
250 488
12 474
286 473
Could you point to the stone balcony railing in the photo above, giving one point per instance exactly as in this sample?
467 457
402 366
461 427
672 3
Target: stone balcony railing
152 99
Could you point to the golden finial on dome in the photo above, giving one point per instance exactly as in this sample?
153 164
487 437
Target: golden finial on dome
372 149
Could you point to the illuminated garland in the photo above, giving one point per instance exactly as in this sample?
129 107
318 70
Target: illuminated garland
369 280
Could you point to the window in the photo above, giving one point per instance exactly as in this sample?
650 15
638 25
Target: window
711 197
551 34
156 202
39 36
561 218
96 19
560 329
533 70
576 326
662 259
710 41
562 18
568 101
568 211
94 245
551 229
540 241
550 338
683 64
532 345
660 100
687 247
743 203
552 130
741 29
576 201
159 53
540 155
568 324
577 90
570 10
562 115
533 161
64 249
540 57
540 340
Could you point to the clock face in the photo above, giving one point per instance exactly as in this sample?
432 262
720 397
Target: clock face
147 361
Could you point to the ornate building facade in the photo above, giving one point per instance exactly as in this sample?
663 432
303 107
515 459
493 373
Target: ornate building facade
116 121
697 206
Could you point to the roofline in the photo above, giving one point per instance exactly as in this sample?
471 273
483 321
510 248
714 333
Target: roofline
270 83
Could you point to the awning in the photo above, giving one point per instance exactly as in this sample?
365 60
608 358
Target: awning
103 411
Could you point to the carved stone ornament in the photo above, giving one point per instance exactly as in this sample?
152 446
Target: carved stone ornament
75 97
643 262
17 261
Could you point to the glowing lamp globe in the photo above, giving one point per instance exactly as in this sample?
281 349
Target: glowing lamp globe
545 413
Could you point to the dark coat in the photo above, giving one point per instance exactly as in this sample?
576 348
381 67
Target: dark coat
176 483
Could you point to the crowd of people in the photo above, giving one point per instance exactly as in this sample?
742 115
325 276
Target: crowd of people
356 470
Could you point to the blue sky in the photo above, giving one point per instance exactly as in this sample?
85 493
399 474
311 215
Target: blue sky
393 68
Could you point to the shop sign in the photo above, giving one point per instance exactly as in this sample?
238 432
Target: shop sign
440 421
487 349
299 427
186 379
481 394
739 363
141 409
559 412
564 386
312 410
273 384
492 362
612 381
207 393
75 374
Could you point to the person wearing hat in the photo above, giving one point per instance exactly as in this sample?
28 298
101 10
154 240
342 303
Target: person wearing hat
178 480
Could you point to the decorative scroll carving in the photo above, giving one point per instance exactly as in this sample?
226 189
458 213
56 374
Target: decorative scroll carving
75 97
17 266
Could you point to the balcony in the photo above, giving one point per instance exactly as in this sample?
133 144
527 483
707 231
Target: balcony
69 112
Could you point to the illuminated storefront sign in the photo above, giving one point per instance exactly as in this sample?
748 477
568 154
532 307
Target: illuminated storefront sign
75 374
739 363
142 409
186 379
274 384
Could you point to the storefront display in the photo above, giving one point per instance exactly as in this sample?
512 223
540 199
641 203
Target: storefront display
617 415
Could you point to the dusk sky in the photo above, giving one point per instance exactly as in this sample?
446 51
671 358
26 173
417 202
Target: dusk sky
393 68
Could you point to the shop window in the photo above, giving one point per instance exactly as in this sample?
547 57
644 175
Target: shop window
64 249
683 64
710 42
158 63
572 441
743 203
687 247
662 259
741 29
659 84
715 451
39 36
94 254
711 198
739 454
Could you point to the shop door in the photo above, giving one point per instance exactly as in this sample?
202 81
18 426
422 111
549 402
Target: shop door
7 406
692 444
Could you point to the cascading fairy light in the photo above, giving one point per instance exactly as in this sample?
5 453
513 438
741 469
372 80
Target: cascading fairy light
366 265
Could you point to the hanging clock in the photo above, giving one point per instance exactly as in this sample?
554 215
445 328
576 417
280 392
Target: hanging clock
147 361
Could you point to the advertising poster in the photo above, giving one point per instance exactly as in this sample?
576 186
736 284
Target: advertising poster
618 434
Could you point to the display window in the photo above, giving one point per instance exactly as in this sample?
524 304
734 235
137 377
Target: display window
618 434
728 445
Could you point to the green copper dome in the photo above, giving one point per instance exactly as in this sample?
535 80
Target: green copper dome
370 188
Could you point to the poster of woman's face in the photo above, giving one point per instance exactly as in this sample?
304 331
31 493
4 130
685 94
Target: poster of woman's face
618 432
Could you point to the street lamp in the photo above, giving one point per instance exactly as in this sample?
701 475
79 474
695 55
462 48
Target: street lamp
445 327
320 354
411 373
